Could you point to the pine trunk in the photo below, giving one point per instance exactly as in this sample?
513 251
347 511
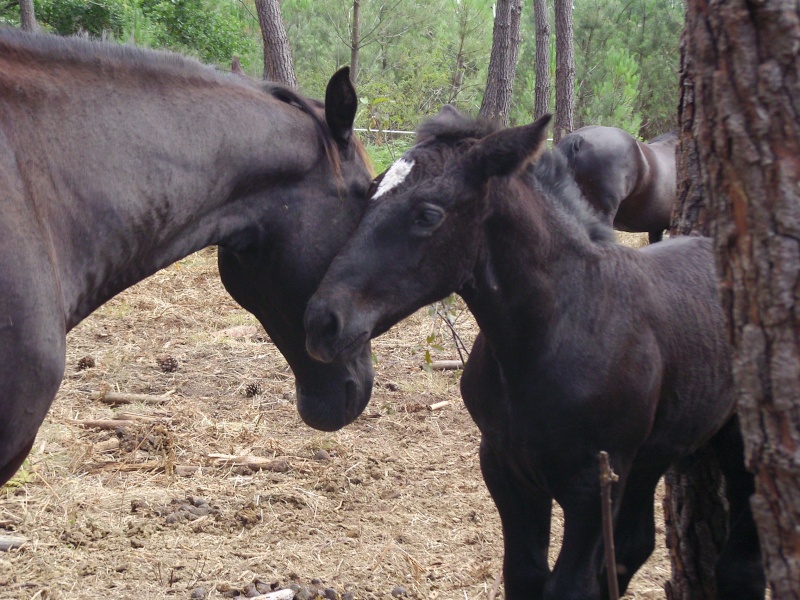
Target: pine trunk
747 93
565 70
541 95
503 60
355 40
27 18
695 512
278 64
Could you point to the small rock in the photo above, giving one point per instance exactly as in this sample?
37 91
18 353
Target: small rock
321 455
349 596
398 591
198 593
330 594
250 590
303 594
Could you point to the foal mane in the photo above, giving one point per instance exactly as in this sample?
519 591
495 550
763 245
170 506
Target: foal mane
550 175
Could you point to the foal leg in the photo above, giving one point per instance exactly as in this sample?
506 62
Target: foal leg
739 570
635 530
576 574
655 236
525 516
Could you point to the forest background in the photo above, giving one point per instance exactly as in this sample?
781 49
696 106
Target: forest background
413 56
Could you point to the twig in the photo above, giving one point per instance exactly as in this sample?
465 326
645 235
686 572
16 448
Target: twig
496 585
607 479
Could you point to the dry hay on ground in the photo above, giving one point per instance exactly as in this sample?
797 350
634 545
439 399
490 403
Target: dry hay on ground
392 503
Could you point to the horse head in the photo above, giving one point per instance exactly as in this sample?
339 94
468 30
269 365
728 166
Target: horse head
274 277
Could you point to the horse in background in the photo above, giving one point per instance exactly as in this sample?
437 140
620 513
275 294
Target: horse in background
585 345
632 184
116 162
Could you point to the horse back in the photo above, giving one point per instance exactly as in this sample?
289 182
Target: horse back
606 163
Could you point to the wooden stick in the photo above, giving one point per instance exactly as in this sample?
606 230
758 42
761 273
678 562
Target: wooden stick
607 479
447 365
108 445
438 405
8 542
114 399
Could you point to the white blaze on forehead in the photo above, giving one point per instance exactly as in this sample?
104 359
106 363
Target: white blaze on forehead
396 174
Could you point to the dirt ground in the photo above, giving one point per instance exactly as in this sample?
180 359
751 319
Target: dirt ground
392 506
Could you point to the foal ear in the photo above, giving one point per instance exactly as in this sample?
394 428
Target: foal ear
341 104
506 151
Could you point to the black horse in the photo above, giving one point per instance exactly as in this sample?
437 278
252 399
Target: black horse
631 183
116 162
585 345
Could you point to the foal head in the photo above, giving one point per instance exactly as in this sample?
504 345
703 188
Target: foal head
273 277
421 235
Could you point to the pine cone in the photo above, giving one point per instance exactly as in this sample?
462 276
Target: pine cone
252 389
87 362
167 363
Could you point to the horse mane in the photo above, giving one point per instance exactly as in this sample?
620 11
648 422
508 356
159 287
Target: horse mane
550 173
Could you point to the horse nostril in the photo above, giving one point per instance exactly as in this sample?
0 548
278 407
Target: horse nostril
332 326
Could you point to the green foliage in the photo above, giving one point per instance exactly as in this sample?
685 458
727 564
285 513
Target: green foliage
613 100
414 56
68 17
210 30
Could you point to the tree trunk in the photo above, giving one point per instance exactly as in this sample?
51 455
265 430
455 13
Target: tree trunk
541 95
502 61
278 64
27 17
695 512
747 90
355 40
565 70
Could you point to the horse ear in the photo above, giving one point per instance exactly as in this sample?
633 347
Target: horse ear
506 151
236 66
341 104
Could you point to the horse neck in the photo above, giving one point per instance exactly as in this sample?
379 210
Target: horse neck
532 259
125 183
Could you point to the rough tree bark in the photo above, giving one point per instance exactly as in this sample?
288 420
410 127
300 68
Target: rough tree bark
695 513
503 60
541 94
27 17
747 94
563 122
278 64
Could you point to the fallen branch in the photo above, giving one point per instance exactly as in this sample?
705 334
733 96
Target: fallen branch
607 479
101 423
446 365
8 542
115 399
256 463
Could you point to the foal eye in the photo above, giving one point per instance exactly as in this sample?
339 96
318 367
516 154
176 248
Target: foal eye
429 216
